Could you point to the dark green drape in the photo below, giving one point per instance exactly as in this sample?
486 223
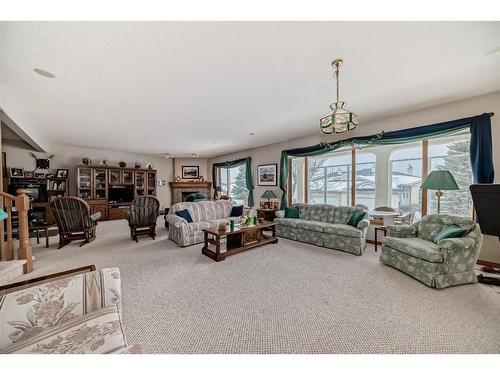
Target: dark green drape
236 163
384 138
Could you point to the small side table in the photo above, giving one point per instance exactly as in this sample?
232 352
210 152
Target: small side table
383 230
266 214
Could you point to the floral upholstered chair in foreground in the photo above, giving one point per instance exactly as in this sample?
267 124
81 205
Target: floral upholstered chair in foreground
142 217
77 314
419 251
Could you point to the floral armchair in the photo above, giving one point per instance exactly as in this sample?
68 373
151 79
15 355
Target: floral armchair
71 315
412 250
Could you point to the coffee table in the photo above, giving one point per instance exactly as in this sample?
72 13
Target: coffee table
237 240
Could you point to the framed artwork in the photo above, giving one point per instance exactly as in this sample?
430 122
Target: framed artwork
16 172
62 173
28 174
39 175
267 175
190 172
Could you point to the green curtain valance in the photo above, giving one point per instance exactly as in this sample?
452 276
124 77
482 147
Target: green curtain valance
248 175
383 138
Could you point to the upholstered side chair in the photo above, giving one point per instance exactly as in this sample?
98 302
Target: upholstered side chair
142 217
74 221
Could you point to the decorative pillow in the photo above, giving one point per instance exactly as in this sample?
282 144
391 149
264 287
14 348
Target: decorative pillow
450 231
356 217
236 211
185 215
292 212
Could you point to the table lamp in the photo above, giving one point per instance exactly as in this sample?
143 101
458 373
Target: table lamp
269 194
440 180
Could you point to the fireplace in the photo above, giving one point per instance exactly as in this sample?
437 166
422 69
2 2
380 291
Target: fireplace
181 189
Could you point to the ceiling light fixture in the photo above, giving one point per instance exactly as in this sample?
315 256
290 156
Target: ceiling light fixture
168 155
44 73
340 119
251 133
195 155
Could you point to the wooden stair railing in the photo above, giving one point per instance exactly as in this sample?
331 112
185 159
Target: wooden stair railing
21 204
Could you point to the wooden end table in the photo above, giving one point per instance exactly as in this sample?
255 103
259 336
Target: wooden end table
383 230
267 214
237 240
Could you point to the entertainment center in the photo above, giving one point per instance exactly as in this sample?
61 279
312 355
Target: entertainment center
110 190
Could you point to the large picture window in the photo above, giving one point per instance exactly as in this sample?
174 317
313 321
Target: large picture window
233 183
389 175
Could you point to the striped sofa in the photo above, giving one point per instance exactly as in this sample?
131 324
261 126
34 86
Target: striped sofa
325 225
205 215
78 314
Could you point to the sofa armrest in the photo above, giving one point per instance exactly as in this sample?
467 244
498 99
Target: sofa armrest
176 221
280 214
401 231
462 246
363 224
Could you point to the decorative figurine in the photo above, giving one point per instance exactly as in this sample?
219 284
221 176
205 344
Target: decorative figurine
137 164
86 161
122 164
149 166
105 162
178 179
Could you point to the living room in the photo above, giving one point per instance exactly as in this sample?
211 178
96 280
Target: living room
192 187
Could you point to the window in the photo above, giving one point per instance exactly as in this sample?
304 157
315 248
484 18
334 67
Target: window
452 154
298 180
233 183
365 179
329 178
405 166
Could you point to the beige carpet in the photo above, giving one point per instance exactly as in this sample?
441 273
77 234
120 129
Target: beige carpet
283 298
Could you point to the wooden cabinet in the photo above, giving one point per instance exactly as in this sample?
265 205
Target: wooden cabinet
93 184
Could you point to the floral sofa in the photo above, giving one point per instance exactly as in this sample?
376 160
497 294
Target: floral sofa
325 225
72 315
410 249
205 215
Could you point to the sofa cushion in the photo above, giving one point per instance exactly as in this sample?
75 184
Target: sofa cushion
304 210
316 226
236 211
289 222
196 226
342 230
355 218
316 212
342 214
292 212
328 212
185 215
416 247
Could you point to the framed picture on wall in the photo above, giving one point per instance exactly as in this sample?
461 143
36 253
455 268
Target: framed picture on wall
190 172
16 172
62 173
267 175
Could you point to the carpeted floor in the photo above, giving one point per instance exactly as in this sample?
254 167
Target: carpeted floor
283 298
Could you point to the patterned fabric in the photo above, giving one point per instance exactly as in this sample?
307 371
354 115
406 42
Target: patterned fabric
450 262
280 214
76 314
143 211
416 247
205 215
324 225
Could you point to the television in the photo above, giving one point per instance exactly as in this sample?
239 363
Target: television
121 194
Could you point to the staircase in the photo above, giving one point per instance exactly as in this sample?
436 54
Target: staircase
11 268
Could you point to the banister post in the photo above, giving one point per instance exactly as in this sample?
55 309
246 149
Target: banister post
24 252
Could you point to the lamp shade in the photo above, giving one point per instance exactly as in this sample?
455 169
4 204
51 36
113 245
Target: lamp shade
268 194
440 180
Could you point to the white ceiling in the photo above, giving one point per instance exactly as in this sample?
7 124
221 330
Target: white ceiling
184 87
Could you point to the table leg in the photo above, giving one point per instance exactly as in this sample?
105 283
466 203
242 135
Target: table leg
46 236
376 239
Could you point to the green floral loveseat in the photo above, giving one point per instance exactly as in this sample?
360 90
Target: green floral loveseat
325 225
410 249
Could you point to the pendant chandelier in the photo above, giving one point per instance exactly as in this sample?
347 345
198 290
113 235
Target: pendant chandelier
340 119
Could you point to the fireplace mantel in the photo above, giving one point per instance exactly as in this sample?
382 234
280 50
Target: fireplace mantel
178 187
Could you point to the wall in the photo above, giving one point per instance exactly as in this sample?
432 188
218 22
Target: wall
464 108
201 163
69 157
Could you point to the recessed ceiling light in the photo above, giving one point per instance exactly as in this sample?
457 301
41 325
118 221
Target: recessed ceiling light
169 155
44 73
251 133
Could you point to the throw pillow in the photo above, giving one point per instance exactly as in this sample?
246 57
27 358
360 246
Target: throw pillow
292 212
450 231
185 215
236 211
356 217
